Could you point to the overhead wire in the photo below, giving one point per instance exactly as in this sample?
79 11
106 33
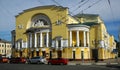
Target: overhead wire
78 3
81 5
111 9
56 2
90 6
63 17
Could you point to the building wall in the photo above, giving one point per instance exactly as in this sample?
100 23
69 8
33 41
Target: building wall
97 34
53 14
5 49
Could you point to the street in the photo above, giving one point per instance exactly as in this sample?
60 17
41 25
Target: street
54 67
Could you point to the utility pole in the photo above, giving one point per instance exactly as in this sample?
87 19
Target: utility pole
118 42
5 49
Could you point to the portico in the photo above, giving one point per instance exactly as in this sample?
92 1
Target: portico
38 39
78 35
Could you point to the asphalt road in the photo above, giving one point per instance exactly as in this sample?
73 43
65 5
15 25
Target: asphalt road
55 67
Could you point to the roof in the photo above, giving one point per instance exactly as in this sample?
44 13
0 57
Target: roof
85 24
90 23
85 15
78 25
4 41
42 7
34 29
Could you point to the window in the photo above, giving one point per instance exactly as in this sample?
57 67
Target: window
7 51
40 20
59 43
8 46
2 45
20 26
44 39
2 51
58 22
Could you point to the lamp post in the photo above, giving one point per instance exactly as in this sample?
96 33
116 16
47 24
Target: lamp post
5 48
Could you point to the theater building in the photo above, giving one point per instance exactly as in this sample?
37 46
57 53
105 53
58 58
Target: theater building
51 32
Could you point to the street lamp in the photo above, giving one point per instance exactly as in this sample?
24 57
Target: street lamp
5 48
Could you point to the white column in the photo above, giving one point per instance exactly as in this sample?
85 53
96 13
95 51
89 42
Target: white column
84 33
30 39
62 43
16 46
77 38
47 39
88 39
70 38
18 43
35 40
56 43
22 44
40 39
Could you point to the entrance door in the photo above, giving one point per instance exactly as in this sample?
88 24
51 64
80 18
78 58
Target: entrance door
59 54
95 54
20 53
32 53
37 53
82 55
50 54
43 53
73 55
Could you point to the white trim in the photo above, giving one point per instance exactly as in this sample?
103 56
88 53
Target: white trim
45 30
88 39
47 39
77 38
30 40
84 33
35 40
65 43
70 38
40 39
78 28
53 43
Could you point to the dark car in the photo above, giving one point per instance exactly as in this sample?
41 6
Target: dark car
60 61
37 59
18 60
4 60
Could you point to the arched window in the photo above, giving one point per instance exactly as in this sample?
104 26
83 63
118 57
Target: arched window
40 20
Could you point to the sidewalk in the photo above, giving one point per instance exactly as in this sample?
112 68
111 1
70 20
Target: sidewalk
91 62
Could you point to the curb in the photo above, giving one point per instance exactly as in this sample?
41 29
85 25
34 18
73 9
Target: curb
92 63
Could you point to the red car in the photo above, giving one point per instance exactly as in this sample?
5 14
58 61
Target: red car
60 61
18 60
4 60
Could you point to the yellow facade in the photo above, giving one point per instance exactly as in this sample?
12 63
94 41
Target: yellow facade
50 31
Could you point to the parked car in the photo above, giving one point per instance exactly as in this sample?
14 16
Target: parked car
60 61
18 60
37 59
4 60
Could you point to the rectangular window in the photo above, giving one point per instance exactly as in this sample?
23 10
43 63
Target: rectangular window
2 51
2 45
8 46
7 51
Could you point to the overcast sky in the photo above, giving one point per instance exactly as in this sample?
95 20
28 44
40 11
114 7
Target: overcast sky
110 15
